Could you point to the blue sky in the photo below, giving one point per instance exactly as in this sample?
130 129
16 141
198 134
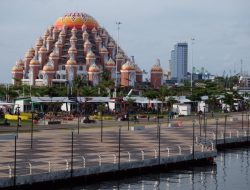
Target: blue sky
149 29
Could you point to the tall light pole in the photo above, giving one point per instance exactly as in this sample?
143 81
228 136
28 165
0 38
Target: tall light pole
117 51
192 39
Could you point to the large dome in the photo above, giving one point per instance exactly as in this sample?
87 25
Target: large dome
76 20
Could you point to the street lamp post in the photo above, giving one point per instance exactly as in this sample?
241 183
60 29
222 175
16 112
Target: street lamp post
225 125
193 138
159 144
119 148
18 120
216 132
72 154
117 51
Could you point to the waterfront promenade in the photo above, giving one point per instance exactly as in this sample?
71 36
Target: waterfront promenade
54 149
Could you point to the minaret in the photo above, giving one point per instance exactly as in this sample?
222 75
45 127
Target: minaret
34 70
59 45
62 36
72 50
90 59
139 74
48 73
87 47
28 58
111 68
43 55
104 55
71 69
55 34
85 36
73 40
39 44
111 47
74 31
104 38
94 32
94 74
46 35
49 42
53 57
128 74
156 75
98 42
32 51
17 74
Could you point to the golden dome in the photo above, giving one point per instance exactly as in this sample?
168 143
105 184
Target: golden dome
90 55
71 62
111 44
103 50
42 50
110 62
94 68
87 43
76 20
50 39
48 67
34 62
156 67
119 56
32 50
128 66
138 69
46 33
98 39
58 43
73 38
54 55
62 33
17 68
29 55
20 63
72 49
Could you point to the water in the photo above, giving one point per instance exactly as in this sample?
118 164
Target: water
231 172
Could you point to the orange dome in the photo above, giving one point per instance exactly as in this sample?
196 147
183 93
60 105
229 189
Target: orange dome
34 62
58 43
138 69
29 55
156 68
110 63
20 63
32 50
72 49
17 68
48 67
71 62
128 66
76 20
54 55
42 50
90 55
94 68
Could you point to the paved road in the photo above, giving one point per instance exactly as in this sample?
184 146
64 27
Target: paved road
52 145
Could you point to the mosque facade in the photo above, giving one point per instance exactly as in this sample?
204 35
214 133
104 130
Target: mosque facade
76 46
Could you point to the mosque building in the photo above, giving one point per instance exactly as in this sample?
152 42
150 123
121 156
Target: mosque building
74 46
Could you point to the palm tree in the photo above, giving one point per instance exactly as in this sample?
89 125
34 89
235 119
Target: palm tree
162 93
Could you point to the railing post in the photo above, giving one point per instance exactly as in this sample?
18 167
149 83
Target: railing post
100 159
129 158
237 133
214 136
230 134
191 149
168 151
142 154
155 153
83 161
49 167
30 167
10 175
179 149
114 158
67 164
245 133
202 148
212 144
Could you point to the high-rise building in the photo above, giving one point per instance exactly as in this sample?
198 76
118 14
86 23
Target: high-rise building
179 62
